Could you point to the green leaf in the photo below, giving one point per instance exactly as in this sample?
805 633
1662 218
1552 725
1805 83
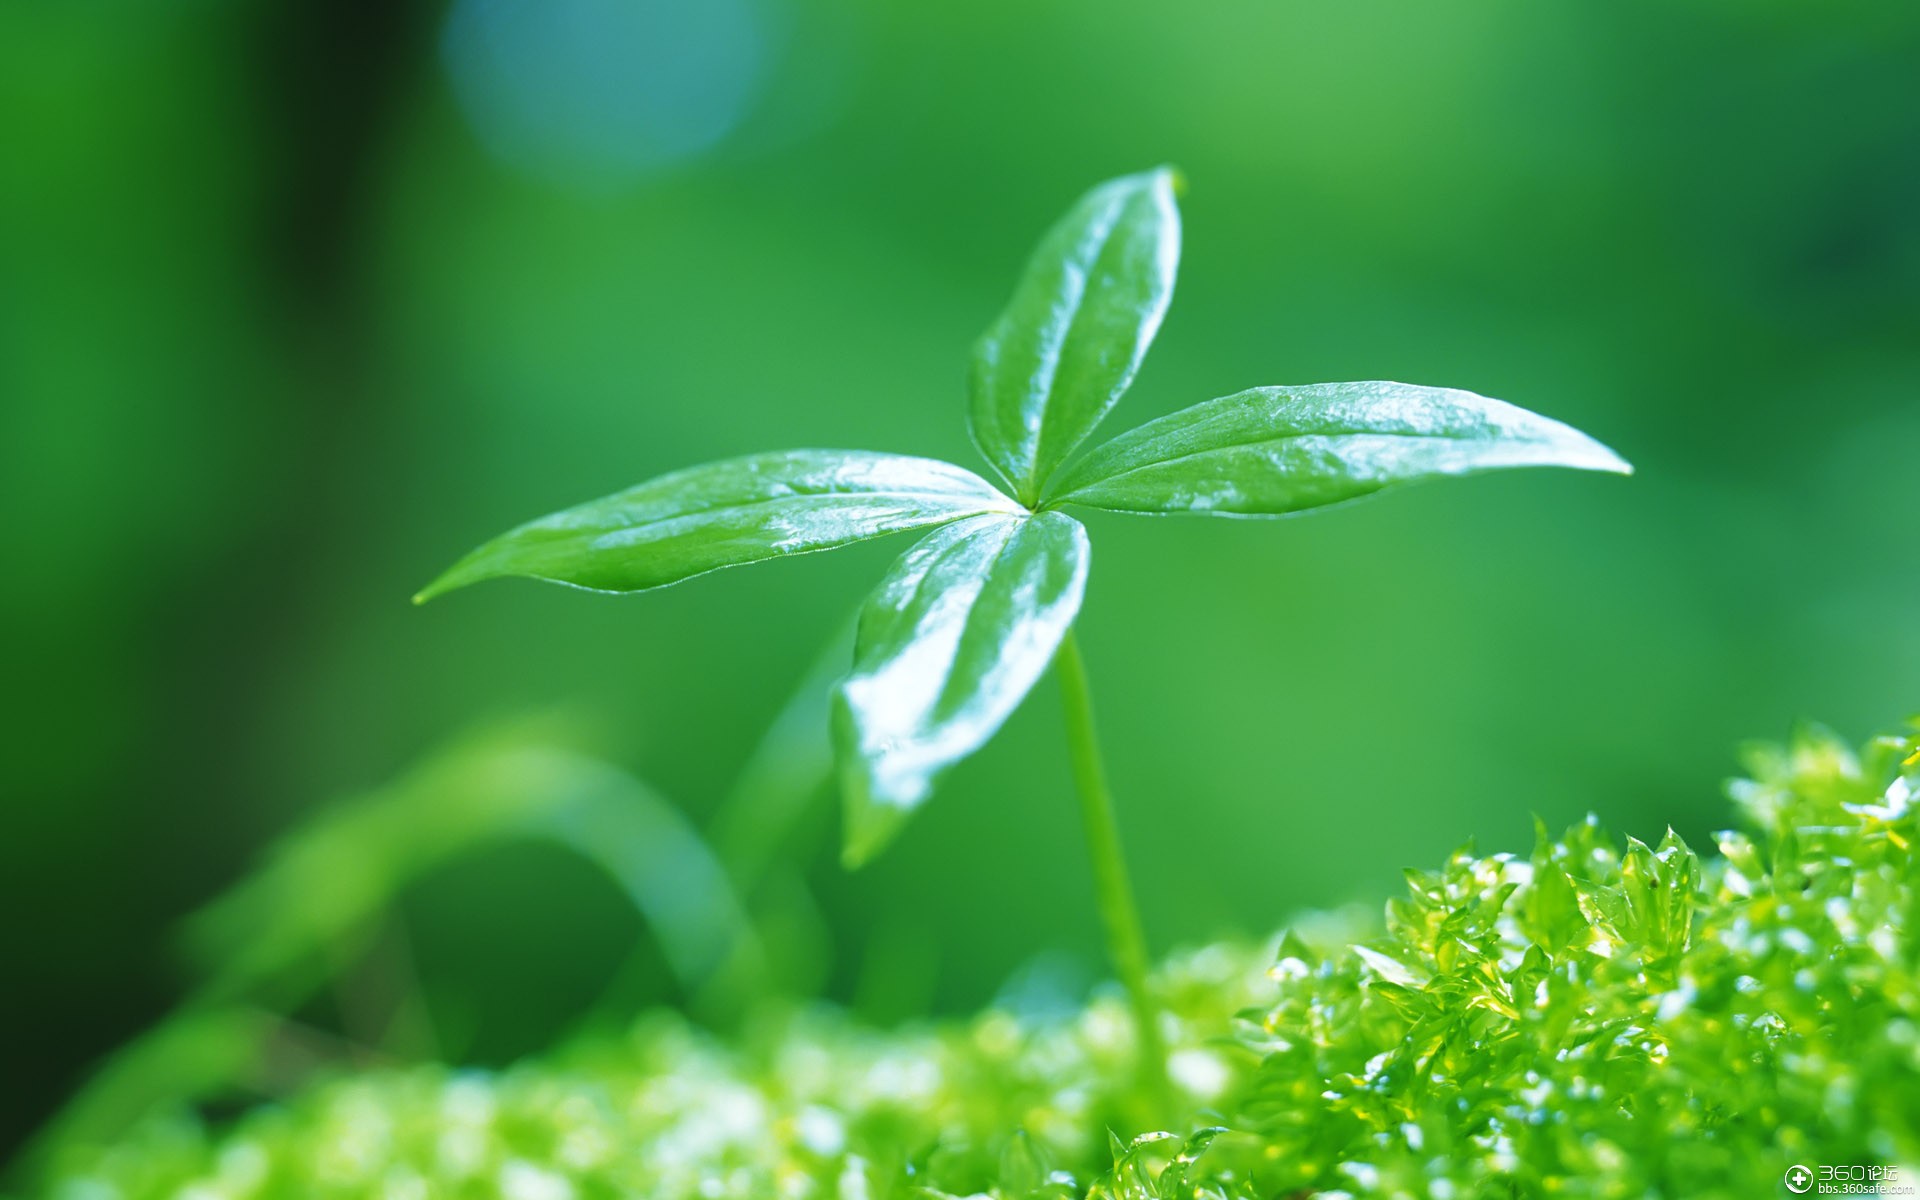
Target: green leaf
951 641
1552 909
728 513
1068 344
1277 450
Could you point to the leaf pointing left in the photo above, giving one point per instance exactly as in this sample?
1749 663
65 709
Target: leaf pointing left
726 514
953 639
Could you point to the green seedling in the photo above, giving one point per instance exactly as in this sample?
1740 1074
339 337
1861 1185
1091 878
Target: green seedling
967 620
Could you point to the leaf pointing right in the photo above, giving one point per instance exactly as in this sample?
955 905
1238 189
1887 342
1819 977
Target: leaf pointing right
1277 450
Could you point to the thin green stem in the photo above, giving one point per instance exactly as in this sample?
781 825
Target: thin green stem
1126 943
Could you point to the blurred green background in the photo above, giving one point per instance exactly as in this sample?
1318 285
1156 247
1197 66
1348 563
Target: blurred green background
300 300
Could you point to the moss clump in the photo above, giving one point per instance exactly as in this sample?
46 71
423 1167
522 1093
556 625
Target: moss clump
1594 1020
805 1103
1598 1020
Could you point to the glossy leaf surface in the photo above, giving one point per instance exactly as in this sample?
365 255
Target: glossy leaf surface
1068 344
1277 450
728 513
950 643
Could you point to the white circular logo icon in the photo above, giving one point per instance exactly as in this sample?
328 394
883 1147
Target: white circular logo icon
1799 1179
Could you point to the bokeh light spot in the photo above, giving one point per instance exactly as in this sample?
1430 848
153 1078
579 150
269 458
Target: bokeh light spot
603 91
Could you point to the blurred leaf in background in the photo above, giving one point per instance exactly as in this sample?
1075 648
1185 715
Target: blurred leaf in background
294 297
310 923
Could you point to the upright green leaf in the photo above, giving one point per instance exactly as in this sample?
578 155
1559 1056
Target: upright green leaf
1276 450
728 513
956 635
1070 340
1551 909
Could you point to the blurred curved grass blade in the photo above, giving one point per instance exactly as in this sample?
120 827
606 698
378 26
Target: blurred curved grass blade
763 831
949 644
1275 450
328 884
192 1053
726 514
1067 345
269 942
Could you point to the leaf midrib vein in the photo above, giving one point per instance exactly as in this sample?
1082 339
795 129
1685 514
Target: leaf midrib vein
1056 350
986 508
1264 441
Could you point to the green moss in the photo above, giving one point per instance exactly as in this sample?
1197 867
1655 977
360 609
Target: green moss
1590 1020
1604 1021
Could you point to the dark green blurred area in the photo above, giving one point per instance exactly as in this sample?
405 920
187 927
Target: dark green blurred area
288 320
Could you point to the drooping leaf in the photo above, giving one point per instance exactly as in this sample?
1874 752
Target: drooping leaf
1276 450
952 640
1068 344
728 513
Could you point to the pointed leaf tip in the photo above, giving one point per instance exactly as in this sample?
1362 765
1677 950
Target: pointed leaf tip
449 580
870 826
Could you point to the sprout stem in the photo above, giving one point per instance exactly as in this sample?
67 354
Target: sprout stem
1126 943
